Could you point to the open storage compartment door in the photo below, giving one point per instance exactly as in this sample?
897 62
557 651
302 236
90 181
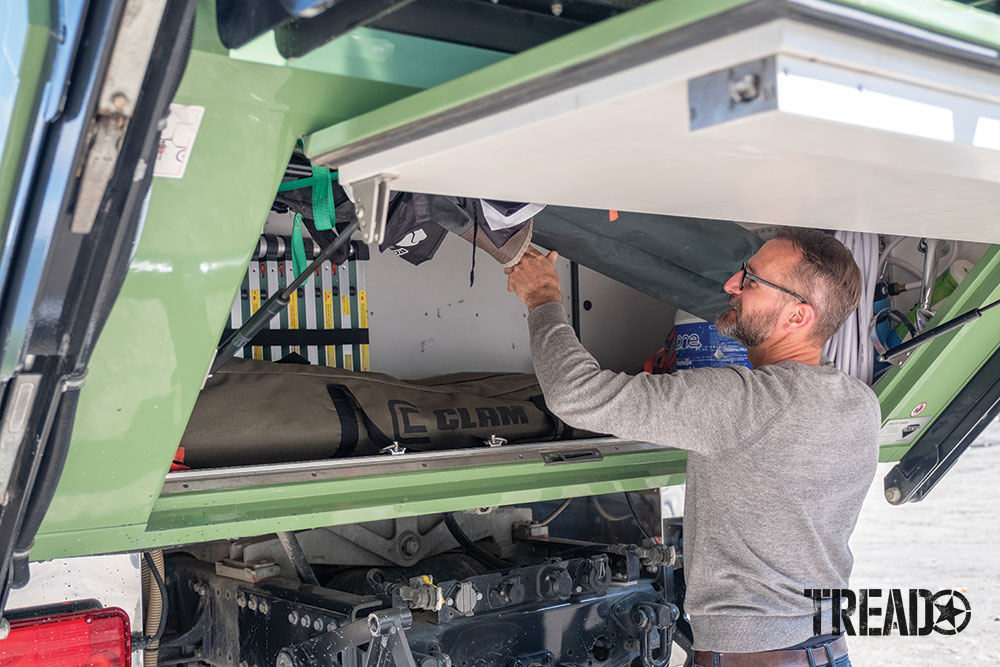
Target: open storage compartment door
790 113
806 113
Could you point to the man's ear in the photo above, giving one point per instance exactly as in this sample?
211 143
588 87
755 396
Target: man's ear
800 318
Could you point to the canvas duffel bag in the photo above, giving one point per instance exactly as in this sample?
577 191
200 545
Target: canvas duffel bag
254 412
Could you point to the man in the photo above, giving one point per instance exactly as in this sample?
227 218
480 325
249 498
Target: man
780 457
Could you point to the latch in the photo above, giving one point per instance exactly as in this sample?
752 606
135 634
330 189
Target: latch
572 456
395 449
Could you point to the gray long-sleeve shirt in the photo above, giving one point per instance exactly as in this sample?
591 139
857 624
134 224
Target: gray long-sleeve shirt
779 461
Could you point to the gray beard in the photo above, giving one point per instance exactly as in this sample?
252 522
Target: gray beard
747 331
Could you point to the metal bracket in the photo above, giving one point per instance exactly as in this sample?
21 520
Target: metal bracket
371 204
735 92
383 631
251 573
897 360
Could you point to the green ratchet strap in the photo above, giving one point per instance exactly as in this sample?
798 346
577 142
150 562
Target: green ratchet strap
302 182
295 185
324 210
299 262
323 207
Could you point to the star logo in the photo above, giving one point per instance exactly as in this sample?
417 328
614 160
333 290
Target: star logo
954 612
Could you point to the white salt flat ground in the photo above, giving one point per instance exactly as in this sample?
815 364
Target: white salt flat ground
950 539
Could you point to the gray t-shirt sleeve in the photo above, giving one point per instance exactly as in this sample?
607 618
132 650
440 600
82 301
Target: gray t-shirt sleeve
707 410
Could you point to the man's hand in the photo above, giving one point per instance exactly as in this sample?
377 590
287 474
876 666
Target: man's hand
534 279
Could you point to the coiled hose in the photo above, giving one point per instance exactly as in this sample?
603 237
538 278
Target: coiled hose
156 617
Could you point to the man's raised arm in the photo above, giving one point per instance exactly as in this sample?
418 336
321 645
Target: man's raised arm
701 411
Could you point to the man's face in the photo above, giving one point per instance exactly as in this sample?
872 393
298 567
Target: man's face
757 309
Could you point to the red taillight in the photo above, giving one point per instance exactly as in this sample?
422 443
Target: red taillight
97 638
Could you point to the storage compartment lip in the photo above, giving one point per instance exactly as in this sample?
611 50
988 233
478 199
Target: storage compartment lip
303 471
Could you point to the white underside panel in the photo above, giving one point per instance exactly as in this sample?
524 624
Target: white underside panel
862 137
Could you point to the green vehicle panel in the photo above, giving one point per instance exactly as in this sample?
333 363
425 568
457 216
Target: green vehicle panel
157 346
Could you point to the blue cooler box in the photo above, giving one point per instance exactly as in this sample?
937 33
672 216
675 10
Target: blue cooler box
700 345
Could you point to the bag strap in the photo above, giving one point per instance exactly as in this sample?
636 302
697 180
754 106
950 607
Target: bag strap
562 430
375 434
348 420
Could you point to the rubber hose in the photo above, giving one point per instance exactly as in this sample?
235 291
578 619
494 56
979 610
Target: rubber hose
154 610
19 569
49 471
552 517
471 548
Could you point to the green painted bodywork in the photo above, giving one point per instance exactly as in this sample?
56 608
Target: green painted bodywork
938 370
208 515
943 16
376 55
156 348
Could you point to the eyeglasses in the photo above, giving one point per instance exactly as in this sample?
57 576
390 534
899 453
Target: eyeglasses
757 279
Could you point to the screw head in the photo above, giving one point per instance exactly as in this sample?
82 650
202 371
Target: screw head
305 622
893 495
241 600
293 617
252 604
745 88
359 210
120 100
318 624
410 546
264 607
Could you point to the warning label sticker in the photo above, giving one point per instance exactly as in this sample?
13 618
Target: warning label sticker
177 140
901 430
